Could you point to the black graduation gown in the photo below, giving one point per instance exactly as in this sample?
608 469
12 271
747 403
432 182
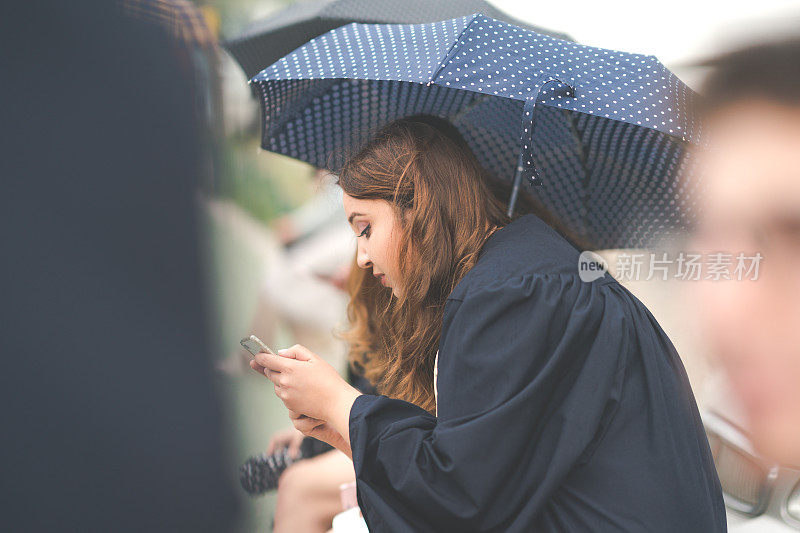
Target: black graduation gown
562 406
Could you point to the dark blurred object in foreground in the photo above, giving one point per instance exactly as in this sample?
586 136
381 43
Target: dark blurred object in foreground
110 419
195 52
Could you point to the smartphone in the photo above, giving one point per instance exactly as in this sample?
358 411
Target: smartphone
254 345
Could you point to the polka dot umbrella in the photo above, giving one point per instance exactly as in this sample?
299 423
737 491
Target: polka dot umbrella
601 134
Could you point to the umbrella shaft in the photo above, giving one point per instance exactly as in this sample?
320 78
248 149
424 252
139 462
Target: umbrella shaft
514 192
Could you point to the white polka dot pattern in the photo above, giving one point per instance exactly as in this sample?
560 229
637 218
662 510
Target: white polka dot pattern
605 130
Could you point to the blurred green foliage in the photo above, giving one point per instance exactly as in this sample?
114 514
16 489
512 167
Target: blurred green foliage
264 184
237 14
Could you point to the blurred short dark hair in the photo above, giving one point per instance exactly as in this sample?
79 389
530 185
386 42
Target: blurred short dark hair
769 70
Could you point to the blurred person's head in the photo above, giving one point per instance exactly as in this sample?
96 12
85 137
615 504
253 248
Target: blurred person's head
751 173
421 206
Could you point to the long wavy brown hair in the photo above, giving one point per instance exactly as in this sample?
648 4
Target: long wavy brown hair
446 205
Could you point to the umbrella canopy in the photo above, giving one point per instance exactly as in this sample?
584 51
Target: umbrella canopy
604 130
269 39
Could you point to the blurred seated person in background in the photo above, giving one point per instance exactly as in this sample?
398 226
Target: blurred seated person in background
308 490
302 287
319 213
751 173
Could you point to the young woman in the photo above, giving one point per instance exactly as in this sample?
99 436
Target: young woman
513 395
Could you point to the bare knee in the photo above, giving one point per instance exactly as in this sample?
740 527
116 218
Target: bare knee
302 505
293 488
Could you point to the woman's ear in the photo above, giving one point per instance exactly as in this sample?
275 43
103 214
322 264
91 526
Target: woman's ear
402 217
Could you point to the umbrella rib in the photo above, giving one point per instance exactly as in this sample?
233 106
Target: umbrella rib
582 155
453 48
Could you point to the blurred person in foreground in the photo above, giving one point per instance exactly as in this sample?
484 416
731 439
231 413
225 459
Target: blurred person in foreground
111 421
751 169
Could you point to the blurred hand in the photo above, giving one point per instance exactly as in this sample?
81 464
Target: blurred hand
289 437
339 278
284 230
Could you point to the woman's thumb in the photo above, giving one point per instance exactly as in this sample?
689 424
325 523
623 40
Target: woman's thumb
298 351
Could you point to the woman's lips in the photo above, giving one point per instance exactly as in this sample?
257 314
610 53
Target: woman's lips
382 279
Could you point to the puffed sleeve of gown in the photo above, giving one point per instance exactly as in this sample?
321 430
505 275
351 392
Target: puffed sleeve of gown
532 371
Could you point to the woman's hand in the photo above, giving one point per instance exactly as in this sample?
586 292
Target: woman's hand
289 437
320 430
308 385
303 381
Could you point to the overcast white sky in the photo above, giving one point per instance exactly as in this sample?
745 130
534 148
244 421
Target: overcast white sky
675 31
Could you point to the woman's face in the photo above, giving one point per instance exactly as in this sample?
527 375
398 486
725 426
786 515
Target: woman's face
377 232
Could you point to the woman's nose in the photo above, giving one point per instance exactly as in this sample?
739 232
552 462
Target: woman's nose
362 259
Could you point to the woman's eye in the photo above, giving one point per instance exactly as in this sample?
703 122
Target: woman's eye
365 232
